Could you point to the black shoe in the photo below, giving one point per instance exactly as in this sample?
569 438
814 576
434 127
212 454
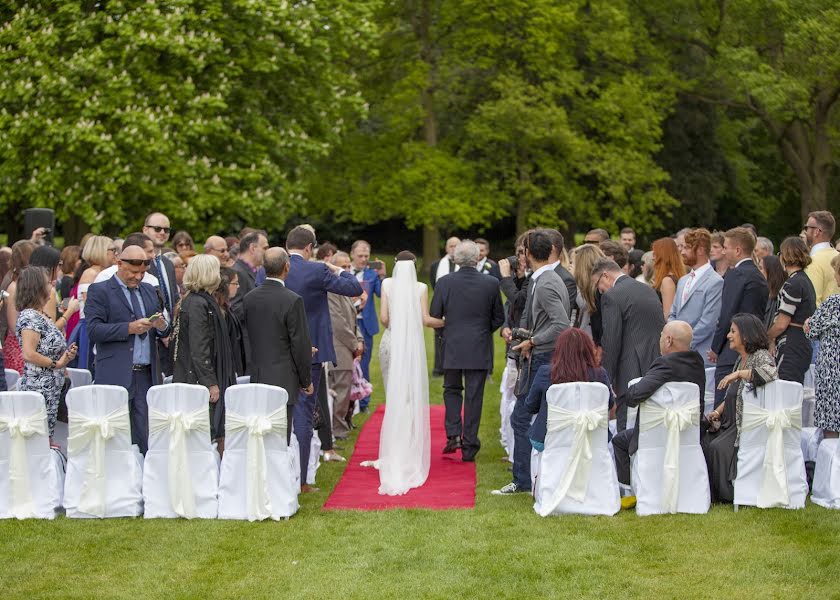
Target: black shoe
452 444
468 458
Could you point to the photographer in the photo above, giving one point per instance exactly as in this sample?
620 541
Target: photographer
545 316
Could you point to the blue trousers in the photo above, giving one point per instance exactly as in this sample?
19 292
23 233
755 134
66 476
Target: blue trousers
520 421
138 409
365 364
304 412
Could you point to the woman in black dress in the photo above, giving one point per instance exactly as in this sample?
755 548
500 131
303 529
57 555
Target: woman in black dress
797 302
755 368
773 271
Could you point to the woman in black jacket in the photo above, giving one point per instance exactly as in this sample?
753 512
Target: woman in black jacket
223 295
202 345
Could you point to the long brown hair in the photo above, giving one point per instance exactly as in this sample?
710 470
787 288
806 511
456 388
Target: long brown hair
574 355
666 261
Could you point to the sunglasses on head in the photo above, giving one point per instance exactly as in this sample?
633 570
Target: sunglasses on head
136 262
159 229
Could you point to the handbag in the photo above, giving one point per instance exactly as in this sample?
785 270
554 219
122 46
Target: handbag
359 386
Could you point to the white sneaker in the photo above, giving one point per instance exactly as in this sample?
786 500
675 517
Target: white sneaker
508 490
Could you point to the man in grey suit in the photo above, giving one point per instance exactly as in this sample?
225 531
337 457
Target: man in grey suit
545 316
632 322
698 292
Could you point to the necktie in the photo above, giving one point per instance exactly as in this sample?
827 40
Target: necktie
135 308
688 285
164 283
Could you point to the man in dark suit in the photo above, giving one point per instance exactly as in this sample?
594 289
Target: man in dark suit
312 281
156 226
486 265
368 320
632 319
117 313
744 291
678 362
252 249
441 268
472 307
281 350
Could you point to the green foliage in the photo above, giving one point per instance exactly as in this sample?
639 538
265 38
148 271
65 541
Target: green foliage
210 111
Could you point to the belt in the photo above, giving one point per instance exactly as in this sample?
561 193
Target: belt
140 367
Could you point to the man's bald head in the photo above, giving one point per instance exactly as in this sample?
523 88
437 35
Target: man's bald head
131 265
133 253
276 263
676 337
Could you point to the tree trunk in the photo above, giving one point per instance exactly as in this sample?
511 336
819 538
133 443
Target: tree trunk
431 245
422 29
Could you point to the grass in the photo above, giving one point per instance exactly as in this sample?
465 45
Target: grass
501 549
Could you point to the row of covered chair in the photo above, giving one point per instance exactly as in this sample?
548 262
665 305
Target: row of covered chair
180 476
576 472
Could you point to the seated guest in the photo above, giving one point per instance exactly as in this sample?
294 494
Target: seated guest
202 352
573 360
755 367
678 362
797 302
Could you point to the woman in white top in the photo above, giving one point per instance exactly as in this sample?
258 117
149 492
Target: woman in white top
97 254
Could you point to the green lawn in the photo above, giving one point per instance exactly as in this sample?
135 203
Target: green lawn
501 549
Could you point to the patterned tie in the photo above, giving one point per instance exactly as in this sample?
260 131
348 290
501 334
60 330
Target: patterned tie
164 282
135 308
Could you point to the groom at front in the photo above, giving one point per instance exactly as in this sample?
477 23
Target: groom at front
470 304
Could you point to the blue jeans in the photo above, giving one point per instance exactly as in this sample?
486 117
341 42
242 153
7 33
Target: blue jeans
520 421
303 417
365 364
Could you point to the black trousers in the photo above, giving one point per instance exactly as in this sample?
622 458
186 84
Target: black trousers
437 369
621 449
138 409
325 430
464 387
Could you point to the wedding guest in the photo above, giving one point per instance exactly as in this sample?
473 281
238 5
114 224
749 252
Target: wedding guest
754 367
250 260
97 256
773 271
157 227
43 347
367 320
142 241
21 252
667 270
585 258
325 251
718 256
646 275
574 359
560 260
182 241
218 247
441 268
70 257
596 236
763 247
186 256
615 251
202 351
486 264
5 261
824 326
223 295
49 259
797 302
628 239
679 239
819 230
180 269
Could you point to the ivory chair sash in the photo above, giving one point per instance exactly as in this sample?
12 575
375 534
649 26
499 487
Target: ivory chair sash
771 468
669 471
180 477
576 472
256 481
104 470
30 477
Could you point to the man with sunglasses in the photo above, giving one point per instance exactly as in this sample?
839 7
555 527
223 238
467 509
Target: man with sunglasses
157 228
217 246
818 233
133 239
124 322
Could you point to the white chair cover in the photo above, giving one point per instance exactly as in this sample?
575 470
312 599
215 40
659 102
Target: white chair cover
506 407
167 380
31 477
809 404
669 472
243 380
79 377
104 470
709 402
771 469
810 440
294 459
576 472
314 459
256 480
180 474
12 378
826 488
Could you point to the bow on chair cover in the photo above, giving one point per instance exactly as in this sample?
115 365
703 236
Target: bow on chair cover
19 429
259 503
675 420
95 430
576 477
179 424
774 485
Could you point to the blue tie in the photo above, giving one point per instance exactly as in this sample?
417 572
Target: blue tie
164 283
135 307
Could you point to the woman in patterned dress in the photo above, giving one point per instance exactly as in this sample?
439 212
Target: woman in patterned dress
825 327
44 349
21 252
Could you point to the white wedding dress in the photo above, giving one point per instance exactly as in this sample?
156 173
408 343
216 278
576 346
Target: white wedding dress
405 440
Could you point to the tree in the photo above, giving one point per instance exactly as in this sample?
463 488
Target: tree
214 111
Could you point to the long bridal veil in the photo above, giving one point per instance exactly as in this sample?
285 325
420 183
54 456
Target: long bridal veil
404 443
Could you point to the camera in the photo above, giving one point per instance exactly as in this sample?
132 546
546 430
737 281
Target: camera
514 263
520 334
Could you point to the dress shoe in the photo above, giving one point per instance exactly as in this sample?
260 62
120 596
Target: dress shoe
452 444
468 458
333 456
308 489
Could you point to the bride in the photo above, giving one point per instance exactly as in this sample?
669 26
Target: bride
404 443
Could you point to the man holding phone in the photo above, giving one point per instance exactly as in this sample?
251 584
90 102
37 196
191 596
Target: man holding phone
124 322
370 275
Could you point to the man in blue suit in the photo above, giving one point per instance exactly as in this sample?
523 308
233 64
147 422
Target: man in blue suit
698 292
368 321
312 281
119 315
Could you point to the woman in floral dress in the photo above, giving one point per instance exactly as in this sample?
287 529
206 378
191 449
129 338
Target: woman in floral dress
825 327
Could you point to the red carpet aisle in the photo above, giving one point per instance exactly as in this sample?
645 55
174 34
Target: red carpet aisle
451 482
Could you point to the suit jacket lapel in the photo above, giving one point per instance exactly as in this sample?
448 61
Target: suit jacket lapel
116 290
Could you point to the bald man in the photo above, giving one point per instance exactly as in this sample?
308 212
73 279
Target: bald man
217 246
678 362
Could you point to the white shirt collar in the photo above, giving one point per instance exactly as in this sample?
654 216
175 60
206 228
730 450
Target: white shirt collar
295 252
821 246
699 271
742 261
277 279
542 270
619 277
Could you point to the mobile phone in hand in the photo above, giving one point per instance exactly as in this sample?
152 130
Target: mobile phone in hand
375 264
155 316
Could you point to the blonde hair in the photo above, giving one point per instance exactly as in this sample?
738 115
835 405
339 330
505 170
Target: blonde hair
585 258
203 274
95 251
835 262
